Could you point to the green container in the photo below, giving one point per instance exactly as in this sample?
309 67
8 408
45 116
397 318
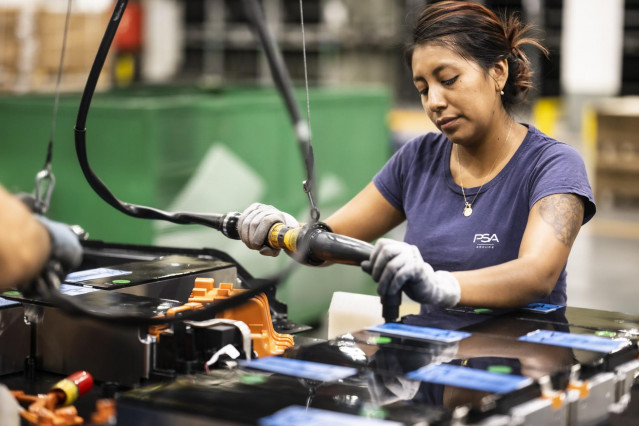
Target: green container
184 149
124 139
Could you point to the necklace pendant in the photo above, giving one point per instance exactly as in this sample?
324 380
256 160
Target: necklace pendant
468 210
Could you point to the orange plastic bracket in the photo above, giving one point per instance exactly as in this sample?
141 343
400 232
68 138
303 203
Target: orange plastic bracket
582 387
255 313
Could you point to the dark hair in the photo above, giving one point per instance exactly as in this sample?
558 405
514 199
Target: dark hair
478 34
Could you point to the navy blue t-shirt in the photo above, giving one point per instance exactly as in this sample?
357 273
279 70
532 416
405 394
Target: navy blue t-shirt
418 182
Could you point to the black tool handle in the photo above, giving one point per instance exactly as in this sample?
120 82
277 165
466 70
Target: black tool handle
315 244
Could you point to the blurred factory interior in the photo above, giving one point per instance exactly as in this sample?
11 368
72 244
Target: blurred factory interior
187 119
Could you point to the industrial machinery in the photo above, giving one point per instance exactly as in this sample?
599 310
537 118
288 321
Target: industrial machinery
538 365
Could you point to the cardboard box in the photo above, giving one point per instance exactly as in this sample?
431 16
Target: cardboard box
9 37
32 44
83 39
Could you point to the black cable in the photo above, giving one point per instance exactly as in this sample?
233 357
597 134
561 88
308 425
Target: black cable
282 80
213 220
216 221
281 76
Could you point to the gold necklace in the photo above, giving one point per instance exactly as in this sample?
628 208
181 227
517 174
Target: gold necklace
468 207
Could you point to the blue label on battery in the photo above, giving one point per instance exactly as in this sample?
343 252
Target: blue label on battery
74 290
469 378
542 307
417 332
296 415
575 341
6 302
299 368
93 274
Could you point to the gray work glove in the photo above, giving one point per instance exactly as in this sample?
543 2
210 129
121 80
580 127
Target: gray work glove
65 244
255 222
398 266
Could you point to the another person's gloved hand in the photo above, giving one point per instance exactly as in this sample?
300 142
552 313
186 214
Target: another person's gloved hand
398 266
65 244
256 221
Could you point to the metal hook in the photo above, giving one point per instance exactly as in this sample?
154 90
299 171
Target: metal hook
44 184
315 214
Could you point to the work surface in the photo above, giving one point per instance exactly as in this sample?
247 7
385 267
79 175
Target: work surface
540 364
424 369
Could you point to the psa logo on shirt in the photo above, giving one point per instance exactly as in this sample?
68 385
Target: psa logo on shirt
485 241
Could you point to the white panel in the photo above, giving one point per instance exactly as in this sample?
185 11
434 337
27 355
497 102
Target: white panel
591 47
163 39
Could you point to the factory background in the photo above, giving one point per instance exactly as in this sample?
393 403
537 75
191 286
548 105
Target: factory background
187 119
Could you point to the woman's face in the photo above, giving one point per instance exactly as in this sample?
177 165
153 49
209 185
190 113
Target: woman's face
457 95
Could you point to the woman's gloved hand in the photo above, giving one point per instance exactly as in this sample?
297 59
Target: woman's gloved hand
256 221
65 244
398 266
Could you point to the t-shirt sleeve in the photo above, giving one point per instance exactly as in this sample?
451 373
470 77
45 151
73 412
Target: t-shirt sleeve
561 170
390 179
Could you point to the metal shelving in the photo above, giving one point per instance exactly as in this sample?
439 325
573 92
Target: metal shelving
347 41
356 42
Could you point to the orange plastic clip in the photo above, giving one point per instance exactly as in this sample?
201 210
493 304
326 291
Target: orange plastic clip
105 413
555 397
582 386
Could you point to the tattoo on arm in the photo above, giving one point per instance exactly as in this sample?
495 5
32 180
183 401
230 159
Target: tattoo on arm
565 213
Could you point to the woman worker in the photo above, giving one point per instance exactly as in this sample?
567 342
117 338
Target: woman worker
492 206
